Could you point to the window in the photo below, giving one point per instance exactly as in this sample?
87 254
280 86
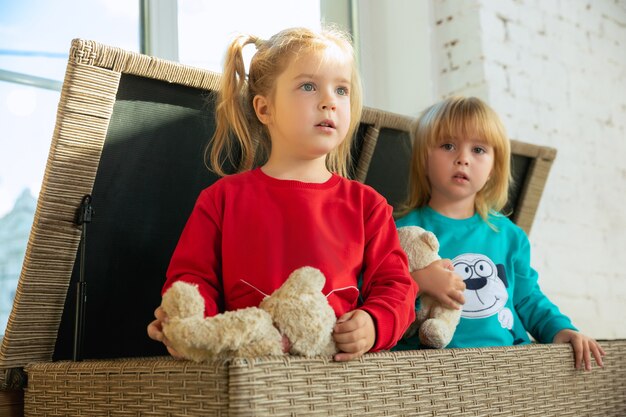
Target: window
35 38
206 28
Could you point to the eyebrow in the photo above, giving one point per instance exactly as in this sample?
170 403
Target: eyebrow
312 77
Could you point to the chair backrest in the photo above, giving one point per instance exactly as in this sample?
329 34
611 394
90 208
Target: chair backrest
131 131
383 150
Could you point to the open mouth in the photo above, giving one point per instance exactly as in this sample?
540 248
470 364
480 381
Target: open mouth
326 123
460 176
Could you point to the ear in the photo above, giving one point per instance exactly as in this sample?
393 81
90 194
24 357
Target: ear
431 240
502 274
262 109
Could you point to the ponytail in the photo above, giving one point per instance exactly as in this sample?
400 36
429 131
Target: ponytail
234 114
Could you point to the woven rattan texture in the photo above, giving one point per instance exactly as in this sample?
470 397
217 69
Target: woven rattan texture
85 107
369 145
542 157
537 380
381 119
87 97
121 61
137 387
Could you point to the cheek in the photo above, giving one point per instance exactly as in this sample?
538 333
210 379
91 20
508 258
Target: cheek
345 107
433 171
345 114
491 168
433 163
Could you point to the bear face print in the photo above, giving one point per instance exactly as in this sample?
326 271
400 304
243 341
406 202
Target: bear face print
485 292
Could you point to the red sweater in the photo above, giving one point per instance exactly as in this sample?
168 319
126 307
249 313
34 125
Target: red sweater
249 231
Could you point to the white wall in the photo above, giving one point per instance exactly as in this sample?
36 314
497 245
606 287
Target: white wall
556 73
395 54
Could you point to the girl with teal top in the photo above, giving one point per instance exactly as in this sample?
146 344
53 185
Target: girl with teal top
460 175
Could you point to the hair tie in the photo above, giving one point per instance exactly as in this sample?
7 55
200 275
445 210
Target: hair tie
258 42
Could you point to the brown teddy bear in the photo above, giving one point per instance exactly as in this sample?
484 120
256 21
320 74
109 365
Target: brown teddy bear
435 322
298 310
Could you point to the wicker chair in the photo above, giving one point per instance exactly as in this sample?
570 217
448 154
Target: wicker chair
130 132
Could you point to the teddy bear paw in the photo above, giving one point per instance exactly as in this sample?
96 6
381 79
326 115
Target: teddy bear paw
183 300
435 333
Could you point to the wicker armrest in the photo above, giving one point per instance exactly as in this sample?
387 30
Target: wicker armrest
503 381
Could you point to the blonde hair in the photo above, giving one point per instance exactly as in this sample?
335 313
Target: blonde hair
240 138
454 117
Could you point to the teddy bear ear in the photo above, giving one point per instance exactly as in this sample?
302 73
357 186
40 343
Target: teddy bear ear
431 240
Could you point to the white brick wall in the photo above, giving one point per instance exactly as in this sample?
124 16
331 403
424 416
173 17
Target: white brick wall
556 73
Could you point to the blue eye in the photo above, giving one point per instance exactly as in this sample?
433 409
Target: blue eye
307 87
447 146
342 91
480 150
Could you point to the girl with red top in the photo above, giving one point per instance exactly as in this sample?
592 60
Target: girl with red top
291 122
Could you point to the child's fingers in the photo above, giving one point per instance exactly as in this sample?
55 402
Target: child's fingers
447 264
598 352
354 336
170 348
577 344
345 324
344 357
458 297
160 314
587 355
452 303
351 349
354 345
172 352
352 321
343 340
154 331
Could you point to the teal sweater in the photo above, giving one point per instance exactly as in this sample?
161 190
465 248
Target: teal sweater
503 301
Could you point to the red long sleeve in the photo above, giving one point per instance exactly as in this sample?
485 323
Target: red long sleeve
249 231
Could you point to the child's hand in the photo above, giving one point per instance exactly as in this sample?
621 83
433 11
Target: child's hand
354 334
584 347
155 331
441 282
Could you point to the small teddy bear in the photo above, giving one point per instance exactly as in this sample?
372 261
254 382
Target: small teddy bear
435 322
298 310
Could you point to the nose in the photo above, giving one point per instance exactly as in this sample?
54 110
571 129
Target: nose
462 158
328 102
475 283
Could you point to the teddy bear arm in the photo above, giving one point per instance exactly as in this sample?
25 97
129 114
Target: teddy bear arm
183 300
435 334
448 315
424 312
245 332
437 331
